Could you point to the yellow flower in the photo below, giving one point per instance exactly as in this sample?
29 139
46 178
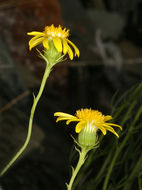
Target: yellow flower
59 37
87 117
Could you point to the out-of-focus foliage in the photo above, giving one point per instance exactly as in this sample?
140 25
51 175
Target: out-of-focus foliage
117 164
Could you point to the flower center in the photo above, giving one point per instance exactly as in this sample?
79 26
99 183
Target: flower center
52 31
90 115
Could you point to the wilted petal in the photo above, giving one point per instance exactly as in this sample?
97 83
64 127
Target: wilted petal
61 118
35 41
75 48
111 130
101 128
112 124
70 53
71 120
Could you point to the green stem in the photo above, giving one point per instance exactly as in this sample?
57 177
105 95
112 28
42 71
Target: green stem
36 99
133 174
82 158
139 182
120 148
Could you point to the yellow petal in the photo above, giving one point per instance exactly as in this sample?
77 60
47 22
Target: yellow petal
45 43
58 44
61 118
34 33
79 126
108 117
112 124
65 46
101 128
111 130
71 120
61 114
70 53
66 118
35 41
75 48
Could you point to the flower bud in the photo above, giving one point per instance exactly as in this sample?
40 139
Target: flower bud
51 54
88 136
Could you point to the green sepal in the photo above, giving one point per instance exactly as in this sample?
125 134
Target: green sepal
51 56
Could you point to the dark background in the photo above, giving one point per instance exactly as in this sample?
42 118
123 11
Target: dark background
109 36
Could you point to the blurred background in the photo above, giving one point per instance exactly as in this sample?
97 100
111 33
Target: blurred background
109 36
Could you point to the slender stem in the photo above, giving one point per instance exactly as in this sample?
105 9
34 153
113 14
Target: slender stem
82 158
113 161
133 175
140 181
36 99
120 148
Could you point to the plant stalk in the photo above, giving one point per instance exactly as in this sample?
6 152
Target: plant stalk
82 158
35 102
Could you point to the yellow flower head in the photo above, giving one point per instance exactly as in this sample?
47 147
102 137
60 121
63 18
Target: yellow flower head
59 37
93 118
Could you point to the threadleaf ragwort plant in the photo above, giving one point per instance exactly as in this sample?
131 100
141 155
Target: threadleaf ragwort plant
56 45
89 122
119 160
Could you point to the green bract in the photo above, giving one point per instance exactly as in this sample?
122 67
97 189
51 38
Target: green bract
87 137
